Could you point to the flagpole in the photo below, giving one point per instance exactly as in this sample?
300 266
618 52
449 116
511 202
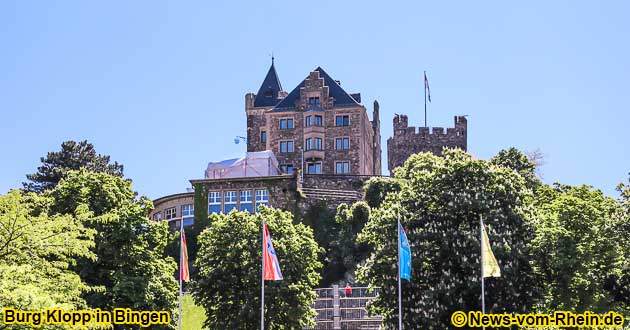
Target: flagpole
399 292
181 260
483 292
262 279
425 98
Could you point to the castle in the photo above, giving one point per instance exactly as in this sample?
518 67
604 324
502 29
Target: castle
315 143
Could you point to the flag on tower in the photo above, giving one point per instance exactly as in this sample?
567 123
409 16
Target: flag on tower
404 257
272 266
183 266
426 86
489 262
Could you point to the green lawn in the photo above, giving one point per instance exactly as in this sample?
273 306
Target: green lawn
193 314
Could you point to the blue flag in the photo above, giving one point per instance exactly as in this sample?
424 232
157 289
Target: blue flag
404 257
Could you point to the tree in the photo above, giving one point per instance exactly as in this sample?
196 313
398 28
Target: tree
130 269
525 166
351 221
36 251
377 188
439 204
578 236
229 272
580 239
618 285
326 233
73 156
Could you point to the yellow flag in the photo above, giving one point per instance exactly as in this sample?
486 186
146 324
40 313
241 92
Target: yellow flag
490 265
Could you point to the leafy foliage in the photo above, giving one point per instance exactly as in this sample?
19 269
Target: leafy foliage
36 252
377 188
577 244
229 272
130 269
514 159
326 233
439 204
73 156
351 221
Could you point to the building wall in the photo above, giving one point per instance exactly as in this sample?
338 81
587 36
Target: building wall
407 140
282 191
160 205
362 150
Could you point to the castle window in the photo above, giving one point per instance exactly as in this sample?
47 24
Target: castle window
286 168
313 100
170 213
263 136
246 201
342 143
188 215
286 123
308 121
307 145
342 121
342 167
286 146
230 201
318 121
214 202
314 168
318 144
262 197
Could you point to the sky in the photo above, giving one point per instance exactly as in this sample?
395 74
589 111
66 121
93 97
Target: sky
160 85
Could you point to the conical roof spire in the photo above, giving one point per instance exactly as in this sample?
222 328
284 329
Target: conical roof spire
267 95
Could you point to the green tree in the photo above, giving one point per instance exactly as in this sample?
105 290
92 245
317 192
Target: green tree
36 251
578 236
130 269
72 156
326 233
351 221
440 204
229 272
514 159
377 188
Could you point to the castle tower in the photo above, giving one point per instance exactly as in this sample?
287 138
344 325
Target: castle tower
407 141
269 94
376 139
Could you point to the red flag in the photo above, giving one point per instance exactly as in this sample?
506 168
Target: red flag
272 267
183 260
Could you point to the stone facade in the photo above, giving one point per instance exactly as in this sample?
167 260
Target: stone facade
314 109
407 140
281 192
172 208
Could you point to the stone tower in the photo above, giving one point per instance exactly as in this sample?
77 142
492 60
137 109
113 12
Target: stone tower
407 140
376 127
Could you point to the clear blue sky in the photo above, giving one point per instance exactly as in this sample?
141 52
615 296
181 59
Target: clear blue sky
160 86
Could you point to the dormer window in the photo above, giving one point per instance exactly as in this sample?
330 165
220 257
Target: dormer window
269 93
313 100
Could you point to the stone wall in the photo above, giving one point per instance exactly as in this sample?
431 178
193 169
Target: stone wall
283 193
362 137
407 140
336 182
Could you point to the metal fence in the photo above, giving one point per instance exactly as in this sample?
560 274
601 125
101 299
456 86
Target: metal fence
335 310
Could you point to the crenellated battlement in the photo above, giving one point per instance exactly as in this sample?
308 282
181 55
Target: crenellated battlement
408 140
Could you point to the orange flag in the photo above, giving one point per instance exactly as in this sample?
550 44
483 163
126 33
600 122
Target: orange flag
183 260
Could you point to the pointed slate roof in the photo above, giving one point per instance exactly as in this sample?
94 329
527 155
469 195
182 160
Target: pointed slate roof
341 97
267 95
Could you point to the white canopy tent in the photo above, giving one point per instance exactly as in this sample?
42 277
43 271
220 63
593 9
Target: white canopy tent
254 164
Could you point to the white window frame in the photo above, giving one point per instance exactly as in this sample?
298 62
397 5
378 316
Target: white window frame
345 167
168 211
